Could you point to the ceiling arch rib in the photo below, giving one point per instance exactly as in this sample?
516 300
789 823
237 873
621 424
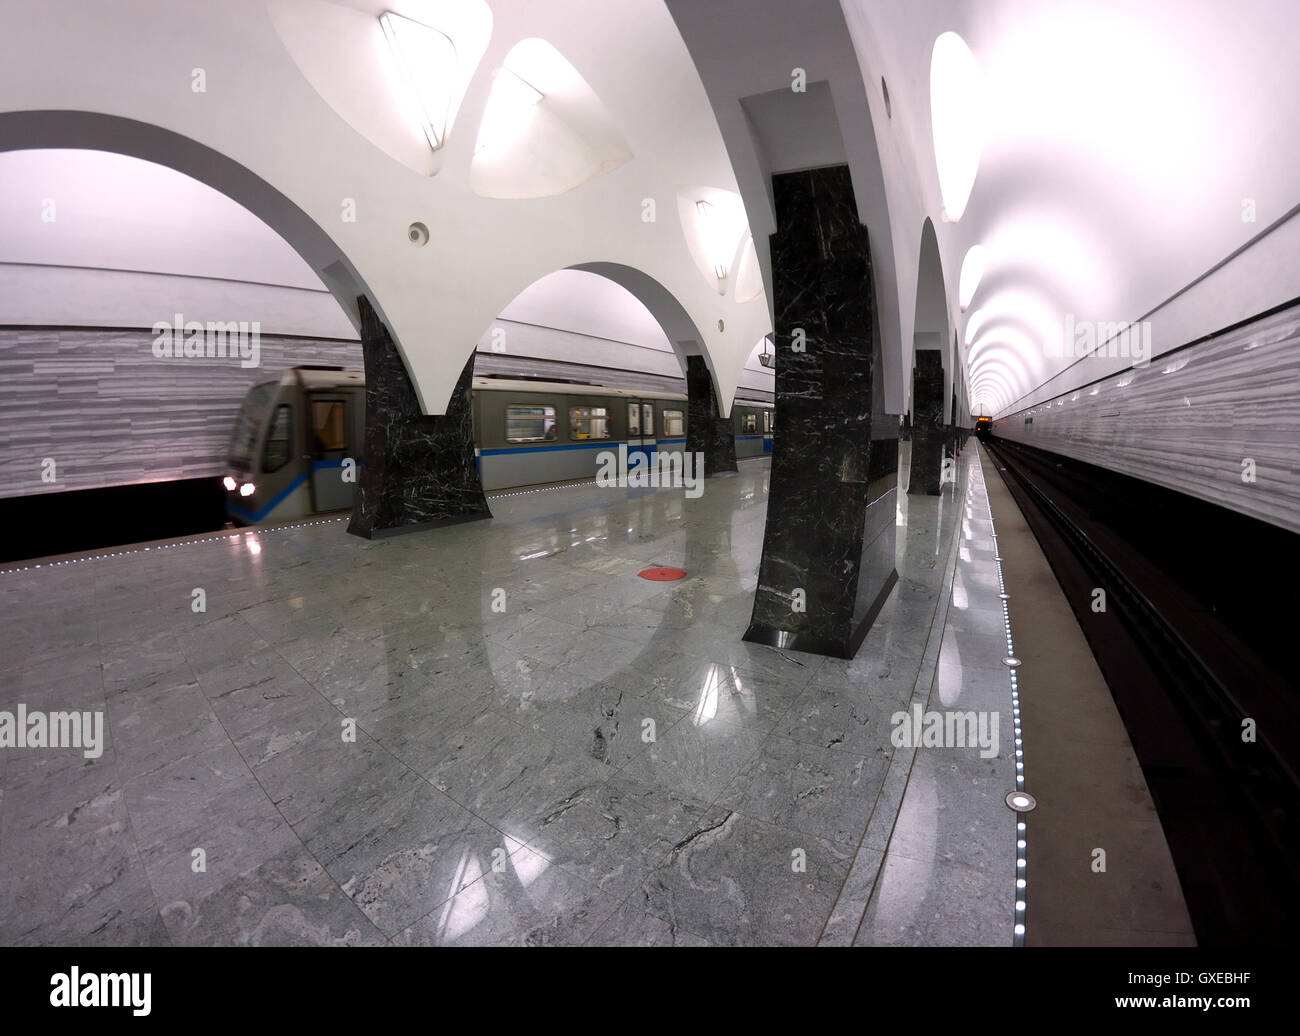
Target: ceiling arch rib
995 384
933 320
435 294
93 131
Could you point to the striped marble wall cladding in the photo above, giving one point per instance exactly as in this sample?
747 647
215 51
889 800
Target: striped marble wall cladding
110 413
1193 420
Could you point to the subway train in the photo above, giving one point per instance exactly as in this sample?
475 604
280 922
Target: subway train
297 441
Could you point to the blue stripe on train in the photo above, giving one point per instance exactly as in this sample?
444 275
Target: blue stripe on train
281 496
648 449
601 444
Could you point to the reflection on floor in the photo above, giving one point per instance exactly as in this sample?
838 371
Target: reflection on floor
497 733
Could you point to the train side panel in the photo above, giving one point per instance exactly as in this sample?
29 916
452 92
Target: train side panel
507 460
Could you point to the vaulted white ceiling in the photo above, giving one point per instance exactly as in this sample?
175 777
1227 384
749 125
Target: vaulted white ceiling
1139 160
1129 150
235 94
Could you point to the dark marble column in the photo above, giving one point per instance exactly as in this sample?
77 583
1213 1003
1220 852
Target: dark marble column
929 432
828 547
418 471
707 434
954 429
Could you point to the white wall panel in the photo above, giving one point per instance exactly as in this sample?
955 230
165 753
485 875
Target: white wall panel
1192 420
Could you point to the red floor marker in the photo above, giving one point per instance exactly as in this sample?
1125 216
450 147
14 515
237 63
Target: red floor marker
662 575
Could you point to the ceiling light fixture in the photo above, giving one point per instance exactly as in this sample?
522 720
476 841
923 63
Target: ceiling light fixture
972 272
509 108
428 64
714 238
956 121
974 323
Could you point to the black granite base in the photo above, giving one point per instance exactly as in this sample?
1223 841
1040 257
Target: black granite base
707 434
929 431
815 644
828 546
419 471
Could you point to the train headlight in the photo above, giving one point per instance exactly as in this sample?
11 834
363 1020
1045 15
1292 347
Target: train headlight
247 489
229 483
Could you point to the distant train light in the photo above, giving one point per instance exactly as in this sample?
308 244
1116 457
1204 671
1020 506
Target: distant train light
247 489
230 484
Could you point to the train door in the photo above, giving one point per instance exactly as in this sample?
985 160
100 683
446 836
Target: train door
640 429
331 421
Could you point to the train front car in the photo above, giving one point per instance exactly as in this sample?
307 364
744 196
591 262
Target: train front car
244 497
296 446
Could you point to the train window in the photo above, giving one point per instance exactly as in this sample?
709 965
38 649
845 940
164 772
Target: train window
633 419
248 422
588 422
749 422
674 423
647 419
767 422
530 424
329 425
279 439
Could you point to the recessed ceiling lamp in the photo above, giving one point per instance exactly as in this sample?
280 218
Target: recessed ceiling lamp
427 61
972 272
715 235
956 121
509 108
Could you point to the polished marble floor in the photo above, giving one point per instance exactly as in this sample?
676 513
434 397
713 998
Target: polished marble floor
497 733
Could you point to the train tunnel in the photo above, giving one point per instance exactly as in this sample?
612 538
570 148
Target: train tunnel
673 473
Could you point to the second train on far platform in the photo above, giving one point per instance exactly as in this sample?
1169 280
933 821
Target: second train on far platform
293 437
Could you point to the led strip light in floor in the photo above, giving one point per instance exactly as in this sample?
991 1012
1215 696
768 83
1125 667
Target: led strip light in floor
1019 800
213 538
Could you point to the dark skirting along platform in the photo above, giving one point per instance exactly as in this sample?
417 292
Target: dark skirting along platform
419 472
707 434
828 546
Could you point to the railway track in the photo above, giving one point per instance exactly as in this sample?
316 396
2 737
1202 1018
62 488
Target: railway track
1191 693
